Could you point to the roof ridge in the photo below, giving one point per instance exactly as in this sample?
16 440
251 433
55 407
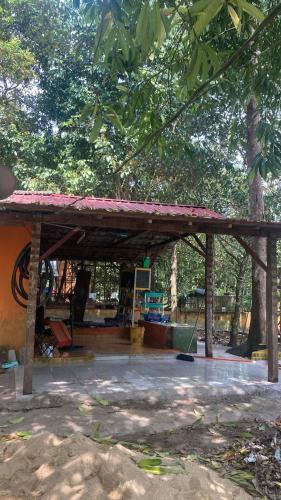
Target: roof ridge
121 200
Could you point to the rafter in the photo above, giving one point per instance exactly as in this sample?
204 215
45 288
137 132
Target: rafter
251 252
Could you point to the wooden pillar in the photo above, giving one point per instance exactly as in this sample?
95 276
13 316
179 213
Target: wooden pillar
173 282
271 310
209 295
31 308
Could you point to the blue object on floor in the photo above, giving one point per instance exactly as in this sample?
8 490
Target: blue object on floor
10 364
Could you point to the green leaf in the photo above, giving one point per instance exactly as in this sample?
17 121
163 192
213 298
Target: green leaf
206 17
96 129
110 39
96 430
101 401
16 420
194 67
235 18
204 66
115 119
123 44
213 57
88 110
24 434
251 9
149 462
229 424
158 26
142 24
155 466
198 7
246 435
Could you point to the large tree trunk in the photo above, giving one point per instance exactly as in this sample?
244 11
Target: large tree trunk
257 332
235 324
173 281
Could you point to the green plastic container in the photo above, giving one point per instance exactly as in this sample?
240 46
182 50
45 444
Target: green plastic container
182 338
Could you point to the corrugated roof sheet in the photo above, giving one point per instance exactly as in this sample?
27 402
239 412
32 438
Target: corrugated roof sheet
62 201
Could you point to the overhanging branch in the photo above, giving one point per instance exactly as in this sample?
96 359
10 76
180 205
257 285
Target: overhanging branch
203 89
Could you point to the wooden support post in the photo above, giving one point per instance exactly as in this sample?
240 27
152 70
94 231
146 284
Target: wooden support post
31 308
173 282
209 295
271 310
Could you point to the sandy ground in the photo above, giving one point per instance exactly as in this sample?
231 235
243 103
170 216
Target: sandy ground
77 468
178 425
64 415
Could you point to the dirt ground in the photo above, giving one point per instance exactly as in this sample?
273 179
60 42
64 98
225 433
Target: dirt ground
79 468
218 434
237 436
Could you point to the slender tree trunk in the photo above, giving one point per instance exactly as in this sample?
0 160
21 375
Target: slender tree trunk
235 324
257 331
173 281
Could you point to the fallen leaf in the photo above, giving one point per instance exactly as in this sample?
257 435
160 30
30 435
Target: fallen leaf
16 420
215 465
104 440
192 457
101 401
162 453
24 434
240 407
155 466
96 430
212 431
277 455
246 435
197 422
147 462
229 424
243 475
84 409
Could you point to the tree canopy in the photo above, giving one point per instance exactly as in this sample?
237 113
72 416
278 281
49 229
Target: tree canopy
143 100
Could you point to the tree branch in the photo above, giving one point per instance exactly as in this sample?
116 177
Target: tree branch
200 91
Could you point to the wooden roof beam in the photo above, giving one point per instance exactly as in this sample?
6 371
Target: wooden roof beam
120 241
197 239
194 247
59 243
251 252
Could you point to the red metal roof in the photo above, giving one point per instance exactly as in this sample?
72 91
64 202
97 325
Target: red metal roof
62 201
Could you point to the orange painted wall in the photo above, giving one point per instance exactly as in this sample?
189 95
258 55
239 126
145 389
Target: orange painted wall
12 316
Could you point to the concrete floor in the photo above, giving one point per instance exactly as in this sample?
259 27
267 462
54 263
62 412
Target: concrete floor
150 393
151 376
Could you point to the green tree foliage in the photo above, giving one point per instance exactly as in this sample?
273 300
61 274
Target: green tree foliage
91 84
167 56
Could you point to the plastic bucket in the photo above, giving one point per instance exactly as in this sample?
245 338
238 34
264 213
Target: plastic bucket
136 335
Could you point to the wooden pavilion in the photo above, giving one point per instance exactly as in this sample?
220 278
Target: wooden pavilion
122 230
